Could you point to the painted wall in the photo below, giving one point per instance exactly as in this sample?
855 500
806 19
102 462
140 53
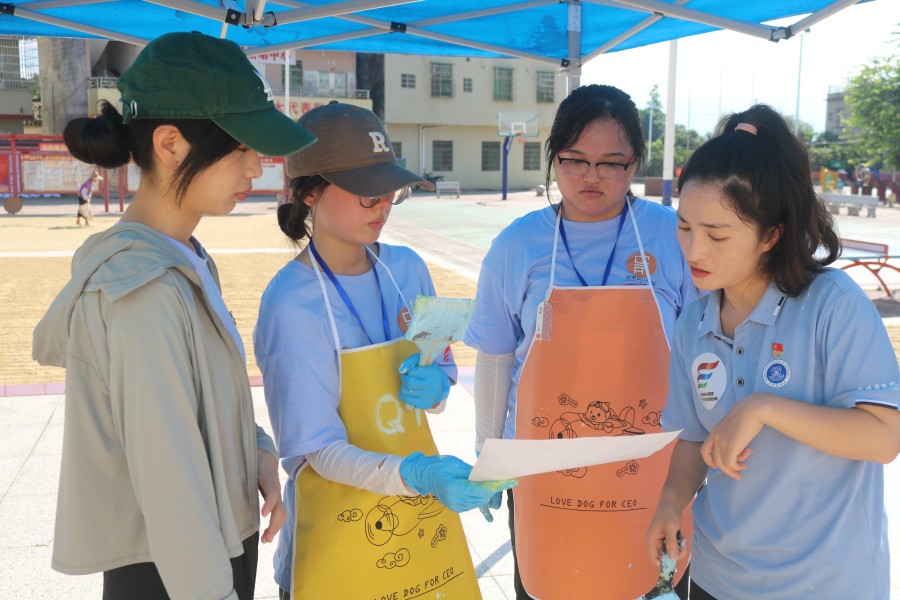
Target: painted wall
415 118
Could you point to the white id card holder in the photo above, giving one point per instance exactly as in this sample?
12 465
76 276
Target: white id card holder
543 330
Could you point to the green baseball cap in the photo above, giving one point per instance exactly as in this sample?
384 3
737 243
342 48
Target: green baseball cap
196 76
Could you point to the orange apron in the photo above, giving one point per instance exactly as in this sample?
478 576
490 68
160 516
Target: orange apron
598 366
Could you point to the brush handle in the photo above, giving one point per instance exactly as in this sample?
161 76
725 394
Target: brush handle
430 350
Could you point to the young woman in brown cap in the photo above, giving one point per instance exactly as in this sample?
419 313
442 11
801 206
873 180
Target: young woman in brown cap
363 468
161 456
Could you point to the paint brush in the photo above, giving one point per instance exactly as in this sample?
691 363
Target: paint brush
437 323
665 587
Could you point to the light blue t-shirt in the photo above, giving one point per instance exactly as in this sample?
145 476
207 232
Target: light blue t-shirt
295 351
800 523
515 275
198 259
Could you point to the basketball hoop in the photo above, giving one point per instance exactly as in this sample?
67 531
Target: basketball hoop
518 123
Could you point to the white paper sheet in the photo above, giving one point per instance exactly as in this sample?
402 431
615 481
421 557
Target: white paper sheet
510 459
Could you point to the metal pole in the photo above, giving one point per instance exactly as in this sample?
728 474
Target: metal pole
507 142
287 83
574 47
669 146
799 72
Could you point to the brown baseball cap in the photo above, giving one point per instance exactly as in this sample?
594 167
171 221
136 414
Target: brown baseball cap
353 152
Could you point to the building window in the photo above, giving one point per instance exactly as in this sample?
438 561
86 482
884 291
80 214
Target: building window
503 83
441 155
296 75
442 80
532 157
408 80
490 156
546 86
398 149
467 84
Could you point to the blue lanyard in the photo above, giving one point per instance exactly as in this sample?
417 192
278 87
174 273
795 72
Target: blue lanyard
609 262
343 294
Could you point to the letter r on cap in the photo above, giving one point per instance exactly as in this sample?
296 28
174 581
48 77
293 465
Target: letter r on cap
378 140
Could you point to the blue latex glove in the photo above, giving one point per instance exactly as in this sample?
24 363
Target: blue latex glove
447 478
495 502
422 387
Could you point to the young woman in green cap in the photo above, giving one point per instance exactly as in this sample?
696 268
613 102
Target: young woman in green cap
161 457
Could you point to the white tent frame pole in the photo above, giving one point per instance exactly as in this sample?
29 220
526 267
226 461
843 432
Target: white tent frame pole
48 4
487 12
819 15
410 30
573 28
335 10
258 10
97 31
669 142
414 28
628 34
290 16
687 14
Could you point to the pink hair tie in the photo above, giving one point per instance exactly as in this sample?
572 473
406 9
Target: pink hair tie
746 127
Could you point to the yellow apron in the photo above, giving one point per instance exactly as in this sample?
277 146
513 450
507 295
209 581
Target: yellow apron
351 544
598 366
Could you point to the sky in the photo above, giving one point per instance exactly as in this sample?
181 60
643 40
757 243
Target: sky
723 72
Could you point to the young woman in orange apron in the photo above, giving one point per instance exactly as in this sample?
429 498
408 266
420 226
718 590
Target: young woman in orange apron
575 305
370 504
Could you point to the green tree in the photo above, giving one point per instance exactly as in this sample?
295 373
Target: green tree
806 130
654 107
873 104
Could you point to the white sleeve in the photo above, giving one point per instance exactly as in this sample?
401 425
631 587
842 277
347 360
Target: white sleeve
342 462
493 378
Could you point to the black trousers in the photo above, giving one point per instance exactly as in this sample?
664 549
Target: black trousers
681 589
141 581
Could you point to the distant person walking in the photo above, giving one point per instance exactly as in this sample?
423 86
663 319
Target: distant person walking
84 199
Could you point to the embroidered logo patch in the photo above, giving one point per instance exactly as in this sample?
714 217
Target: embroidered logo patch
710 378
639 267
777 373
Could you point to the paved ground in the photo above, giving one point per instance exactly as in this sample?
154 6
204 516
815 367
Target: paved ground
453 233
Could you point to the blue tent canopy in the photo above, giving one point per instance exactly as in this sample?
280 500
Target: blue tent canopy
565 33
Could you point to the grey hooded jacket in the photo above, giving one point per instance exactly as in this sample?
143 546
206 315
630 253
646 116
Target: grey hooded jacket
160 445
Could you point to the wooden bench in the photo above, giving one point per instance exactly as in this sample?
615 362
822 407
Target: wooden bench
853 202
446 187
874 264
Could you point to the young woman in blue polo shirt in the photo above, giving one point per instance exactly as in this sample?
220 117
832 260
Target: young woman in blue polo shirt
783 382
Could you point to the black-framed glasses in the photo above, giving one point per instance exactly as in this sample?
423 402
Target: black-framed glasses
605 170
394 198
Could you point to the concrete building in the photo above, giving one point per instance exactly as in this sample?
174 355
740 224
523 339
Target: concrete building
442 112
18 61
835 110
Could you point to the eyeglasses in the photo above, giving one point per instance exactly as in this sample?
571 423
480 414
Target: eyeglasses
394 198
604 170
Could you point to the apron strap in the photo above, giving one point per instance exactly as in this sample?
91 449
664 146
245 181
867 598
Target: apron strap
637 235
333 322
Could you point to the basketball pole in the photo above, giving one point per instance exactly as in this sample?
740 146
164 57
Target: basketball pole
507 143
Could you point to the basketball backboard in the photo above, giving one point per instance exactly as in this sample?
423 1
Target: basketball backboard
512 123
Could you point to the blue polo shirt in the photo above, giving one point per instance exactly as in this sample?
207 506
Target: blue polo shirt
800 523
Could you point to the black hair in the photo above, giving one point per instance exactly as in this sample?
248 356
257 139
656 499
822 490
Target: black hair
584 106
293 215
108 142
766 179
